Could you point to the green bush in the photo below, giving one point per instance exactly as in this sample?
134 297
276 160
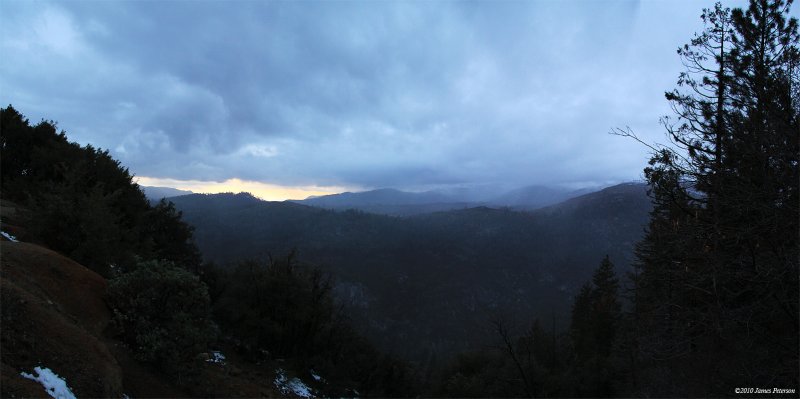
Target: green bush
163 312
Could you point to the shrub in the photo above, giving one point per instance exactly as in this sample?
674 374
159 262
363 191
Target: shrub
163 312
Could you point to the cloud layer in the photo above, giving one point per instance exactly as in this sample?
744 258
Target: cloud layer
353 94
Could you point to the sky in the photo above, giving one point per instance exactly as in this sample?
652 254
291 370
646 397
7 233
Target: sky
288 99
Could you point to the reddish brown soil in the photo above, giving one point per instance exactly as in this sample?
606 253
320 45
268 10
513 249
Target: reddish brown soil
54 316
51 317
73 289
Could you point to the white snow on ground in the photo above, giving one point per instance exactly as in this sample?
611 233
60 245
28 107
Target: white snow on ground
315 376
55 386
294 385
216 357
299 388
9 236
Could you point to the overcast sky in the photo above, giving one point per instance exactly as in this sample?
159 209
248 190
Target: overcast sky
325 96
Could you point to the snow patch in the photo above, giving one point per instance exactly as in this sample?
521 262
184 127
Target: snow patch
216 357
9 236
295 385
55 386
316 376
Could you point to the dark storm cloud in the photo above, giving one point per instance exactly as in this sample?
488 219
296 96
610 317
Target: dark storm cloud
403 94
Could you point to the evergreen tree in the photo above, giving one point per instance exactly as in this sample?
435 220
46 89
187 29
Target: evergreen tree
716 277
84 203
168 237
606 307
581 326
594 326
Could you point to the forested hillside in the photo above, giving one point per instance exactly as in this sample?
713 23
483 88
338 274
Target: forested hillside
433 279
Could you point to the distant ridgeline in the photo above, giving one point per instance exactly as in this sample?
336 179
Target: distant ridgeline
155 194
434 280
400 203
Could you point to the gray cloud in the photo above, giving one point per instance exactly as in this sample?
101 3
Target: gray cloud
370 94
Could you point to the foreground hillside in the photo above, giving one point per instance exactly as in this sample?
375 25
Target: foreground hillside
58 327
55 316
104 295
51 306
433 280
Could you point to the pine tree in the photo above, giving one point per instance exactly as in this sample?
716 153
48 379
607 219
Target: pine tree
581 325
168 237
716 277
594 327
606 307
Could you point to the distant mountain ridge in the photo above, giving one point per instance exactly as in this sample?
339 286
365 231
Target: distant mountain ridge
157 193
534 197
383 196
389 201
425 278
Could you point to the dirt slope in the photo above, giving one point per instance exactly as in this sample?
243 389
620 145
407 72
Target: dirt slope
52 316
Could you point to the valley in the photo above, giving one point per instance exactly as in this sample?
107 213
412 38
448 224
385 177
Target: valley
433 280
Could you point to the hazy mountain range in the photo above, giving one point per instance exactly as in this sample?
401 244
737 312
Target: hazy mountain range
395 202
434 279
157 193
402 203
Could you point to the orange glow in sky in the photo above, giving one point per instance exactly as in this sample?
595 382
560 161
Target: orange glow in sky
269 192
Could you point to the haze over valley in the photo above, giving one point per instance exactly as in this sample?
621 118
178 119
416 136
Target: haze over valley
399 199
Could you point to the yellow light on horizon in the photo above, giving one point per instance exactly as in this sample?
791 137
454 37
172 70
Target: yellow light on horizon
265 191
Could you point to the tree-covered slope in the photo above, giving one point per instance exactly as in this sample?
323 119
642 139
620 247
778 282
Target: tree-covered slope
433 279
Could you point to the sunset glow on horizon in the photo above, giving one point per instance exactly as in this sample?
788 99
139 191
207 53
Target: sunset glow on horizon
265 191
